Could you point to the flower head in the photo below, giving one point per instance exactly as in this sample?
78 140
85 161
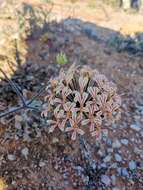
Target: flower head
81 98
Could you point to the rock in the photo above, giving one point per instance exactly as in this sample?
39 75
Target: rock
125 172
79 170
114 126
107 158
105 179
116 144
94 165
55 140
138 151
102 166
124 141
90 30
135 127
118 158
113 178
11 157
42 164
119 171
109 142
110 150
116 188
25 152
101 153
114 165
132 165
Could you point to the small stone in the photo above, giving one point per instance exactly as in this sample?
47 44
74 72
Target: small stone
109 142
132 165
110 150
119 171
42 164
113 178
94 165
124 141
116 144
116 188
106 180
25 152
11 157
118 158
114 125
100 153
107 158
138 151
114 165
79 170
135 127
124 172
55 140
103 165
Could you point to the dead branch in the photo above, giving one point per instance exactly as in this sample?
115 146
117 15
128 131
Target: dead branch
25 104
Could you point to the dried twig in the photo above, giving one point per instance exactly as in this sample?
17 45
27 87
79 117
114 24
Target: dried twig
25 104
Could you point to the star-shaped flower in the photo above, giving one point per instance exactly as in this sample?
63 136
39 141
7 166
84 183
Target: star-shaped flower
93 119
58 122
74 122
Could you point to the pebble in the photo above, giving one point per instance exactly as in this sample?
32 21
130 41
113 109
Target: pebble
135 127
109 142
11 157
110 150
132 165
116 144
124 141
106 180
90 29
118 158
138 151
124 172
79 170
42 164
116 188
25 152
113 178
107 158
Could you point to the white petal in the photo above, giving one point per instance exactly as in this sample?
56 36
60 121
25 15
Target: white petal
92 127
84 97
57 100
77 97
50 122
69 129
85 122
73 137
80 131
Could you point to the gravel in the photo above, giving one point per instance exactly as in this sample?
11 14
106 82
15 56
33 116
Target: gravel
25 152
132 165
118 158
135 127
124 141
116 144
106 180
11 157
107 158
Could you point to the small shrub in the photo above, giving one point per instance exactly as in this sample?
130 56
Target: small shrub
80 99
61 58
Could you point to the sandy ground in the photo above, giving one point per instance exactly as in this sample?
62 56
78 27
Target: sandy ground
30 158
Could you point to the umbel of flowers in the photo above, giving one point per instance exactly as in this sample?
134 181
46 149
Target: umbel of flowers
79 99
